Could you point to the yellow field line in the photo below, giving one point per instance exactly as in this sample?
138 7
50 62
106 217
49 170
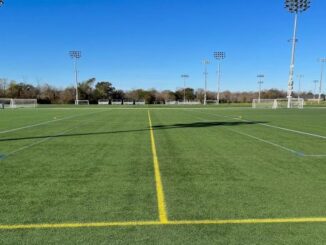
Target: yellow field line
160 223
159 186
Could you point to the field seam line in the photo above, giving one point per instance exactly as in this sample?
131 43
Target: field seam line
158 180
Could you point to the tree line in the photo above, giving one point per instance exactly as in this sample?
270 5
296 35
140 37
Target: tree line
93 91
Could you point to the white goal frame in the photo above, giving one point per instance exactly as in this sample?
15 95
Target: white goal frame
24 103
103 102
297 103
81 102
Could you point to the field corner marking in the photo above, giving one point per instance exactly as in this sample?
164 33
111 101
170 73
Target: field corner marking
158 180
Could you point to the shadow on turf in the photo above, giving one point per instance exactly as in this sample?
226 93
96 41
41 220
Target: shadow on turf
157 127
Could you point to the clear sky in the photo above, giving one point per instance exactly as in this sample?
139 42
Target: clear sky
150 43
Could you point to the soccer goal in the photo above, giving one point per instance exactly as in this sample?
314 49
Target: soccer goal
277 103
5 103
23 103
116 102
140 102
103 102
188 102
128 102
81 102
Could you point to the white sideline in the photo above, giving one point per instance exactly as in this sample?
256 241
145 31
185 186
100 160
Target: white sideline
301 154
39 124
271 126
48 138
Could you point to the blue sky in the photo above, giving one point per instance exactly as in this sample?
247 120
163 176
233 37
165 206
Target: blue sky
150 43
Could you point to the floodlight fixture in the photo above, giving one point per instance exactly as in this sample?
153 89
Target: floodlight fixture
219 55
260 82
75 55
299 76
184 77
205 63
1 2
294 7
322 61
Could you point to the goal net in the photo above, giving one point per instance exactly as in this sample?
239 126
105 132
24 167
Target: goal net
5 103
116 102
277 103
23 103
81 102
103 102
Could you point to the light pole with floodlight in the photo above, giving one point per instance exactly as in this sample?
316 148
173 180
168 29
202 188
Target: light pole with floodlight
295 7
219 56
205 63
184 77
75 55
260 82
322 61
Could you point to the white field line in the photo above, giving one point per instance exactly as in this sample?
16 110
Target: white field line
317 156
46 139
272 126
268 142
42 123
259 139
301 154
38 142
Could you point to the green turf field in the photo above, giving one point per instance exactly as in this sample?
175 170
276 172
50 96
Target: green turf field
160 175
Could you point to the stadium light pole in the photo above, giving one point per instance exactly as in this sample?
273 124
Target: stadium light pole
322 61
315 91
219 56
75 55
300 76
260 82
184 77
205 63
295 7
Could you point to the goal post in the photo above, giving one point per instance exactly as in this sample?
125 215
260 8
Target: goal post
277 103
5 103
103 102
81 102
23 103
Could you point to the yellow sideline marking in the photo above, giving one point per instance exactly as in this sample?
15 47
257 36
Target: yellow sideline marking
158 223
158 180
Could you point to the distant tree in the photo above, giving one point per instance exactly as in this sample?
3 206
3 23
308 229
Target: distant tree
118 94
104 90
67 96
85 89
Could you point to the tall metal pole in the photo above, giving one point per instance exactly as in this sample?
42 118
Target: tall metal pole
76 80
75 55
220 55
218 83
290 81
184 76
260 82
315 90
322 61
294 6
299 87
205 62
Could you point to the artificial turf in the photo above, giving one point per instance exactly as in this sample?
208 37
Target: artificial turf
81 165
